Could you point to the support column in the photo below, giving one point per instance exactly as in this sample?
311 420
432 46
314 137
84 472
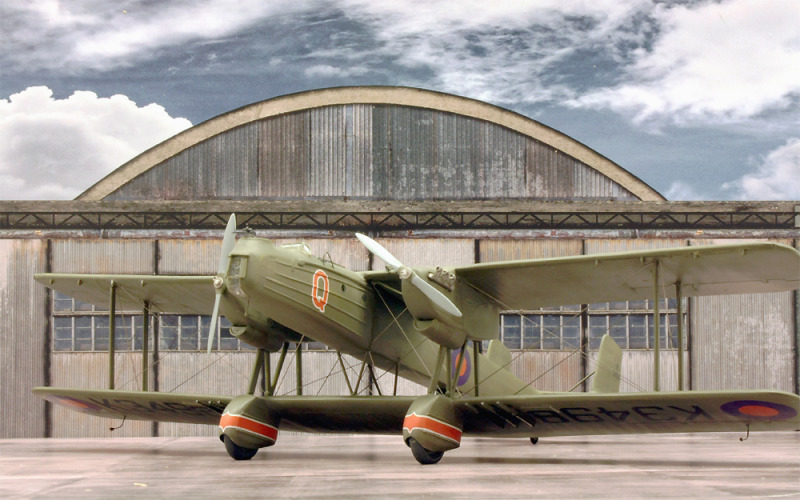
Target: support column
657 330
299 366
112 309
145 344
679 294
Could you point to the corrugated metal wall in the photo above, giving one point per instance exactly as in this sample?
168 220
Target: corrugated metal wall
371 151
24 338
743 341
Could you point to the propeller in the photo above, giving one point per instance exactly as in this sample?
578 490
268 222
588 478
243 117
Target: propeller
404 272
228 241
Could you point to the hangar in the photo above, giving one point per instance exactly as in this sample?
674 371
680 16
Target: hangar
439 179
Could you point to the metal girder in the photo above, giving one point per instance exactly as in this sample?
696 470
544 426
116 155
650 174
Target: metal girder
398 220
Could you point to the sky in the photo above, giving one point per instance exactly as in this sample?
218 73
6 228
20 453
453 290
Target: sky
699 99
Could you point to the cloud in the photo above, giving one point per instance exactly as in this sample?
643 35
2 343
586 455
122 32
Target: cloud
97 35
714 61
55 149
681 191
777 178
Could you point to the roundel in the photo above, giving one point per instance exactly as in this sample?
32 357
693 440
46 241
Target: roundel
319 290
759 410
465 369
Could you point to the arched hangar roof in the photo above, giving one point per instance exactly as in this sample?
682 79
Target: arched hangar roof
370 143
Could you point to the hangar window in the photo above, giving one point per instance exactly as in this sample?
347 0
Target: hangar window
630 324
78 326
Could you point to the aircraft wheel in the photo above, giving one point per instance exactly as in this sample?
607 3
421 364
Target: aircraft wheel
423 456
534 440
237 452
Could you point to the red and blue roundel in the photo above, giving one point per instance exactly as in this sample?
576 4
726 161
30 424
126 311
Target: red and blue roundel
466 366
76 404
758 410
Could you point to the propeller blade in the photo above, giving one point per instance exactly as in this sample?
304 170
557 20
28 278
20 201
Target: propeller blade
228 242
212 331
435 296
377 249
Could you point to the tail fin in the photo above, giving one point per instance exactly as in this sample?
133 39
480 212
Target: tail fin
499 353
609 366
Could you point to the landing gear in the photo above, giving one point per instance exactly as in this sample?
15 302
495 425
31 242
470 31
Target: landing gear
237 452
423 456
534 440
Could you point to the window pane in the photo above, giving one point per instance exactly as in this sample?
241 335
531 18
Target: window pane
551 332
571 332
531 331
597 328
83 333
101 333
123 333
227 342
83 306
61 302
511 331
638 331
205 325
618 328
62 334
168 334
189 333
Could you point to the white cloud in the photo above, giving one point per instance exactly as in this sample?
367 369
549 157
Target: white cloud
56 148
777 178
719 61
681 191
94 34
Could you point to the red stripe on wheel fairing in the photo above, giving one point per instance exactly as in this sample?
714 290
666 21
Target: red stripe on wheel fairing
432 425
249 425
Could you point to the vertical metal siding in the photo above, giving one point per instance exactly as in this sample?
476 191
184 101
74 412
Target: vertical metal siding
328 167
547 370
371 151
188 256
22 337
222 373
500 250
90 370
743 342
103 256
428 252
284 156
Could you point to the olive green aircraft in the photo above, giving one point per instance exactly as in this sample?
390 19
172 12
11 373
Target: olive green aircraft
428 326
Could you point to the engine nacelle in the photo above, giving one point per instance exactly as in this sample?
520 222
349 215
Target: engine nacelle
440 333
249 423
270 339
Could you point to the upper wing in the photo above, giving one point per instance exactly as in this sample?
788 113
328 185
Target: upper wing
176 294
589 279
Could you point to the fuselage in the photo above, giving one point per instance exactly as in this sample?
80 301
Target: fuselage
325 302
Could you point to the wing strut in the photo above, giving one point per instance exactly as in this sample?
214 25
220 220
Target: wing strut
679 294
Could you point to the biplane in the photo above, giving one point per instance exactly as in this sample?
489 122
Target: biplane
430 326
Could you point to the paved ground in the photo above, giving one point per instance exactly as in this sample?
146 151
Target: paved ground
684 465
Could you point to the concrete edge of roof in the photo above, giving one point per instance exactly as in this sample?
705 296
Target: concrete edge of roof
401 96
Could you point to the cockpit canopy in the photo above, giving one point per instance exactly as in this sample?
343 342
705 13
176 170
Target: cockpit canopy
300 247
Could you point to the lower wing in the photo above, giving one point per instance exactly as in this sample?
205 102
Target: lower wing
541 415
